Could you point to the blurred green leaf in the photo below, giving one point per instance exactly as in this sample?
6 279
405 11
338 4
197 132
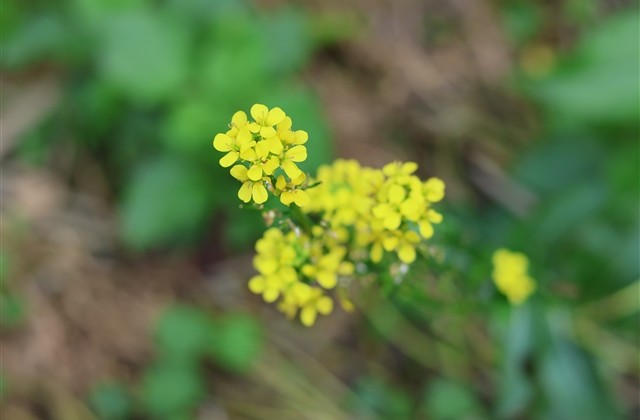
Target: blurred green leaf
111 401
169 389
243 229
569 383
4 268
12 310
286 34
383 399
516 388
191 126
522 20
599 82
237 342
450 400
331 28
167 199
43 36
145 54
182 332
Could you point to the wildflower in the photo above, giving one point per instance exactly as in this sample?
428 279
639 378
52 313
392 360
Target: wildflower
266 146
510 275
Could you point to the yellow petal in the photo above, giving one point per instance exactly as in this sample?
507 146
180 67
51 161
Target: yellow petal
223 143
255 173
301 198
248 155
285 124
407 253
244 193
262 149
390 243
396 194
275 145
297 153
434 216
254 127
281 183
291 169
300 179
287 197
426 230
267 132
376 253
259 113
301 137
244 136
392 221
229 159
256 284
308 316
271 165
327 279
275 116
259 193
239 119
239 172
270 295
382 210
324 305
434 189
409 168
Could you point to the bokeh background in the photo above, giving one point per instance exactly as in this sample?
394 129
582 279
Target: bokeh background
125 257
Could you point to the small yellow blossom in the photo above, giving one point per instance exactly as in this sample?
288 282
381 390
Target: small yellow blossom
510 275
268 148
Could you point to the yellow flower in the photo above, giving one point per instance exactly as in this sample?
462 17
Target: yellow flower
250 188
264 151
265 119
510 275
234 146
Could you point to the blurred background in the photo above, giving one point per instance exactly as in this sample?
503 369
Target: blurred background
125 258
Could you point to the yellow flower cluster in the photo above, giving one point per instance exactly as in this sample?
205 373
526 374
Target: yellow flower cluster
359 213
511 277
265 152
298 269
387 210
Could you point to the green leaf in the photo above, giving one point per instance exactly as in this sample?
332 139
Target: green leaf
144 54
522 20
166 200
111 401
385 400
170 389
182 332
516 388
599 82
244 228
40 37
237 342
287 35
12 310
191 126
4 268
449 400
568 381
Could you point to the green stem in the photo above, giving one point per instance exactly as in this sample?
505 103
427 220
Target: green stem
300 218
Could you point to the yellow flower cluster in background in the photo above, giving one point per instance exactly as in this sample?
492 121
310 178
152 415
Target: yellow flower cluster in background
265 152
299 269
511 277
361 213
385 210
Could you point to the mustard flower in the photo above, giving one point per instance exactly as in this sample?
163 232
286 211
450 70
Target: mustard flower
268 148
510 275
